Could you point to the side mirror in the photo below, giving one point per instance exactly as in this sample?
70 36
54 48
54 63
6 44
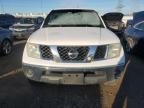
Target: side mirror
40 20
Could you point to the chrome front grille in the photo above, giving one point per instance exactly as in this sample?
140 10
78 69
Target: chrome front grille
46 52
81 52
73 53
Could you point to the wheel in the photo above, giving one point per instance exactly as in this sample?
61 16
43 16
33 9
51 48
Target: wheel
6 47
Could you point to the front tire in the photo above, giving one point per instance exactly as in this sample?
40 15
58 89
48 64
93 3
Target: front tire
6 47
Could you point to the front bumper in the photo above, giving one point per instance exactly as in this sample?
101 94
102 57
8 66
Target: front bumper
76 76
21 34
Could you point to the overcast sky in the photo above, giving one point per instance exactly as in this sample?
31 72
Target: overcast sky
38 6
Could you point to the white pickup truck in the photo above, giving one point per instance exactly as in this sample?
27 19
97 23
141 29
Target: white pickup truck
73 46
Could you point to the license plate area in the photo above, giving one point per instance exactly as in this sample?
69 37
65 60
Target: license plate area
75 79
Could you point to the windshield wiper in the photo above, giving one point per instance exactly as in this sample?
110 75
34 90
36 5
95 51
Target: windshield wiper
52 25
89 25
73 25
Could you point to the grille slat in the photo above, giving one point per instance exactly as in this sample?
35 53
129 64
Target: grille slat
100 52
46 52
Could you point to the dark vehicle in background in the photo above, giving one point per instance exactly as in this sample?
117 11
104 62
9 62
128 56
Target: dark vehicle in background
6 20
114 22
25 27
6 41
134 34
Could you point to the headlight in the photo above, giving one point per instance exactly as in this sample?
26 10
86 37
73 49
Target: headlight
33 50
114 50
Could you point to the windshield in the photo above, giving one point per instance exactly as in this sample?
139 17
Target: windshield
68 18
26 21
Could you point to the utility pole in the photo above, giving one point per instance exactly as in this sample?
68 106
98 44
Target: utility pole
120 6
2 7
41 6
136 5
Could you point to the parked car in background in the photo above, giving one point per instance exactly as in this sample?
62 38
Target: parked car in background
134 34
6 20
6 41
73 46
114 22
25 27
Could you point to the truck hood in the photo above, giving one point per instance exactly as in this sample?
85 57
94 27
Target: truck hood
73 36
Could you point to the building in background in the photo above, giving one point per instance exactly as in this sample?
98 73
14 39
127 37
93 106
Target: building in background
33 15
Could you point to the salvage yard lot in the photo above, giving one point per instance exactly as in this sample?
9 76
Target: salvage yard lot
17 92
